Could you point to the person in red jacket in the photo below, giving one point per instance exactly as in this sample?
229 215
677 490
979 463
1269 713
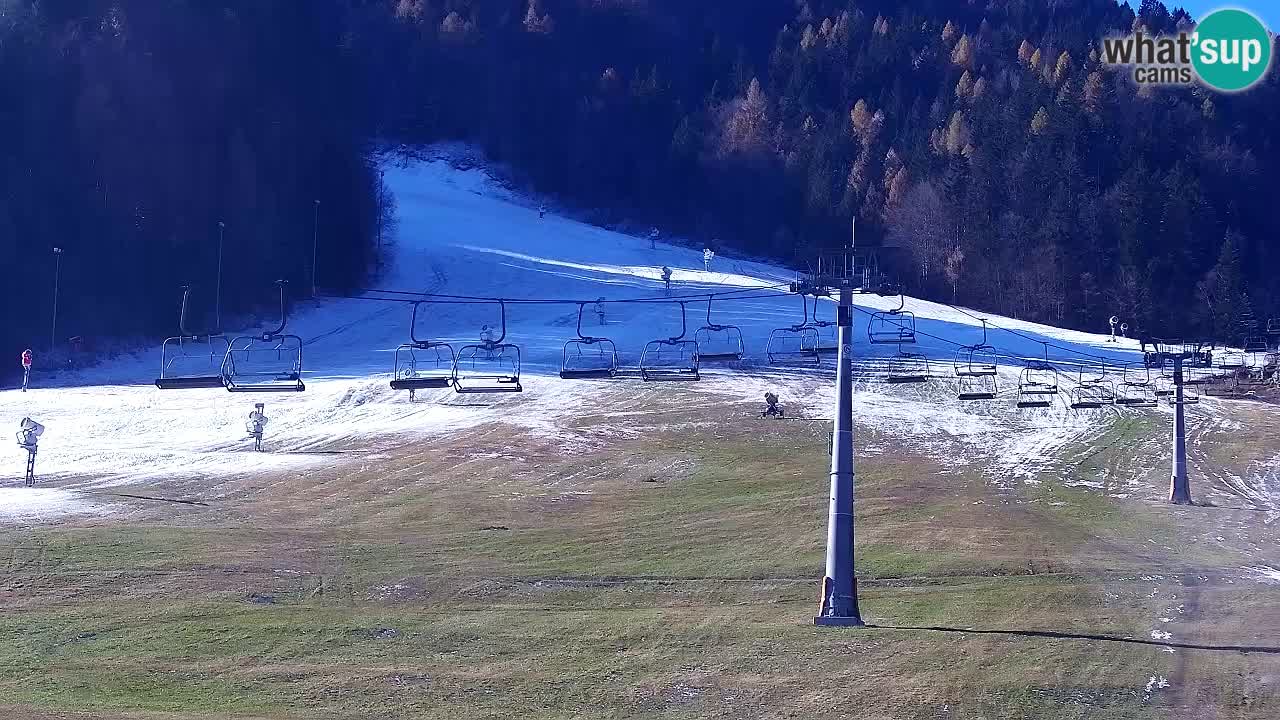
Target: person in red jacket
26 368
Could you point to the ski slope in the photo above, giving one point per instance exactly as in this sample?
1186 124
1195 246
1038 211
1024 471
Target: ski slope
462 232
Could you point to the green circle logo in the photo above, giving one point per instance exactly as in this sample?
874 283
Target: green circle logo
1231 50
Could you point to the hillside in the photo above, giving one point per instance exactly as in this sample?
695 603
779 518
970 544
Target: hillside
984 141
621 548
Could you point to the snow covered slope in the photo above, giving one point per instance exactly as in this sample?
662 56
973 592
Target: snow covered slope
461 232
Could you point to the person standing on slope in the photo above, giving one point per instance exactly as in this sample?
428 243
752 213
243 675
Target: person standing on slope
707 257
653 238
666 277
26 368
1114 321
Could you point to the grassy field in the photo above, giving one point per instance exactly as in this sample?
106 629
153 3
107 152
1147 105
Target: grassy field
671 574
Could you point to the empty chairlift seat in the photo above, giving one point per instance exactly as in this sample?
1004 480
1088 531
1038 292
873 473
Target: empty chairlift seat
270 362
718 343
892 327
907 368
423 364
191 361
673 358
1037 386
796 344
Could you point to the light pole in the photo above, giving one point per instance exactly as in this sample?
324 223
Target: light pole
315 241
1180 485
57 273
217 303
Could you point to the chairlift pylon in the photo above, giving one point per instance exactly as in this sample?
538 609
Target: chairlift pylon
718 343
893 327
673 358
191 361
586 357
797 344
490 366
270 362
423 364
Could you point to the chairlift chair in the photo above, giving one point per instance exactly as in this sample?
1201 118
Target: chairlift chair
976 360
828 332
1092 392
1256 344
907 368
587 357
976 387
718 343
423 364
1037 385
892 327
1137 388
673 358
794 345
270 362
1232 360
490 366
189 361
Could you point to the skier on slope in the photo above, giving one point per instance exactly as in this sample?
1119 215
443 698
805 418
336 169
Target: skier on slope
653 238
256 423
666 277
26 368
542 211
1114 322
600 309
707 257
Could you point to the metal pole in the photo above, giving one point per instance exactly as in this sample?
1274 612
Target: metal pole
840 586
1180 486
217 306
381 173
57 273
315 239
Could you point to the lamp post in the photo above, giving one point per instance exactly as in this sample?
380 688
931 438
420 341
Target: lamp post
315 241
217 303
57 274
381 174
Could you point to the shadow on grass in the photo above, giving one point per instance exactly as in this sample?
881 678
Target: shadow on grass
1086 636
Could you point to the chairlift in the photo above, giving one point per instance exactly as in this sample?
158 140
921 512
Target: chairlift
892 327
976 360
1091 393
976 387
1038 384
673 358
795 345
718 343
828 332
189 361
423 364
1137 388
905 368
1256 344
490 366
270 362
587 357
1232 360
